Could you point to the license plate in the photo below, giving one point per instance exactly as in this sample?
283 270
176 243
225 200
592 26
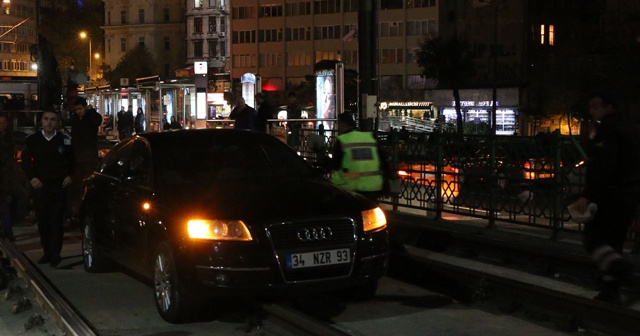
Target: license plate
319 258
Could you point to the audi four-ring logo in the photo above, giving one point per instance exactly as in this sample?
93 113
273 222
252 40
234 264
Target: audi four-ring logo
315 234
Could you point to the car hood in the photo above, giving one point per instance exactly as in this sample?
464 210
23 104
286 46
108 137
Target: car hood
262 200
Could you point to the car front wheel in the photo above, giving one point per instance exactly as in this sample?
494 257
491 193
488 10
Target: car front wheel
172 298
93 261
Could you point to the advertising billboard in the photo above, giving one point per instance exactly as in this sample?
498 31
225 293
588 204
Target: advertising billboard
326 97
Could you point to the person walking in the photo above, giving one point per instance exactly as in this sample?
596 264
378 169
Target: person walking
174 123
85 123
47 160
265 112
121 123
613 184
358 163
139 123
293 112
243 115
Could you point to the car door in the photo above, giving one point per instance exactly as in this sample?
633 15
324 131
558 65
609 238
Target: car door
135 193
104 187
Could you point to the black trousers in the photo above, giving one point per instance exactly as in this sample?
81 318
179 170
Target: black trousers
610 225
50 205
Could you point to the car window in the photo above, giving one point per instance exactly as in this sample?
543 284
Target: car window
115 161
226 160
139 161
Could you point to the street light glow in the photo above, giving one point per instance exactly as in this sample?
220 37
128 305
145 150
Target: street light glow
84 35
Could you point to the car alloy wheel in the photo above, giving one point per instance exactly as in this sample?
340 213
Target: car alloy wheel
171 297
92 260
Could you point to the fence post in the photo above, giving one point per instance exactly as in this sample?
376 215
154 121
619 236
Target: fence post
439 202
492 183
556 210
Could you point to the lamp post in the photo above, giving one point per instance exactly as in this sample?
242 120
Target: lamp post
85 35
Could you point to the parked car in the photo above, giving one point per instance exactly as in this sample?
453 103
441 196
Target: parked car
223 212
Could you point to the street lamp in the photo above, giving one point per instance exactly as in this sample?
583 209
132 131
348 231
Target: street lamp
84 35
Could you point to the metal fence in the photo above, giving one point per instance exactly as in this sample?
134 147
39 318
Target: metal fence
519 180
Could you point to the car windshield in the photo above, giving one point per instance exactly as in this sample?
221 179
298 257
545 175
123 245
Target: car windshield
183 162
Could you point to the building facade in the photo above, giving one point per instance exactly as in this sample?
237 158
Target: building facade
159 25
283 40
207 26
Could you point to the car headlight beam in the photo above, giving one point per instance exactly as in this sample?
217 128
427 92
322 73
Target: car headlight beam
218 230
374 220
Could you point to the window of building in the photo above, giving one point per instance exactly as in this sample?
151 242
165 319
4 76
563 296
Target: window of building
350 57
244 61
197 4
197 25
326 6
123 44
108 18
349 6
301 8
223 49
391 56
421 3
270 35
123 17
213 48
167 70
141 41
223 24
299 58
140 15
298 34
270 11
197 48
109 46
327 32
167 43
326 55
391 4
243 12
391 82
389 29
213 3
244 36
270 60
212 24
165 13
419 28
547 34
411 55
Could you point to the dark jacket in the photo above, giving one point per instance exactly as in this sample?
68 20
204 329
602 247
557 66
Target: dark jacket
245 118
84 135
294 112
265 111
50 161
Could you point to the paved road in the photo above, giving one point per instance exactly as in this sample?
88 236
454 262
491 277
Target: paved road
119 304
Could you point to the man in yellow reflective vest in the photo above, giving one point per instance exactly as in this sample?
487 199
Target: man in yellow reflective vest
357 162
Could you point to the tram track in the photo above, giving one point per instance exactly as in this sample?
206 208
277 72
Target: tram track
46 295
554 279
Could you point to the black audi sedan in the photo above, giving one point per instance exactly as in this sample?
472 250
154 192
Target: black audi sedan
221 212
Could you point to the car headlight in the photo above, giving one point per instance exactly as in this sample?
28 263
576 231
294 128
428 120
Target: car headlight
218 230
374 220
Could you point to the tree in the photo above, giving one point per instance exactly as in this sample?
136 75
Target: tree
450 62
137 63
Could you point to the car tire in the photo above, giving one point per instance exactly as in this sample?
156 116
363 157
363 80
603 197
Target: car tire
93 261
173 300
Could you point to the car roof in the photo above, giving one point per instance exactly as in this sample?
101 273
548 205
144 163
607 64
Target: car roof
198 135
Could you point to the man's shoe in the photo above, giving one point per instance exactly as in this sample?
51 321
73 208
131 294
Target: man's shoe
44 260
55 261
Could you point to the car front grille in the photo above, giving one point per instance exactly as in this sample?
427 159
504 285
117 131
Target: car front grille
285 239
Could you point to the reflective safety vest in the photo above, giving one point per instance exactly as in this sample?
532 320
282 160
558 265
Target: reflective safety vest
360 163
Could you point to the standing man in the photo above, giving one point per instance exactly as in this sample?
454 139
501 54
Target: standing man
293 112
265 112
244 115
358 163
85 122
121 120
613 184
47 161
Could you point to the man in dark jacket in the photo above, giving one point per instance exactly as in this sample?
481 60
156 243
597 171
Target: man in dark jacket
84 142
613 184
47 160
244 115
265 112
